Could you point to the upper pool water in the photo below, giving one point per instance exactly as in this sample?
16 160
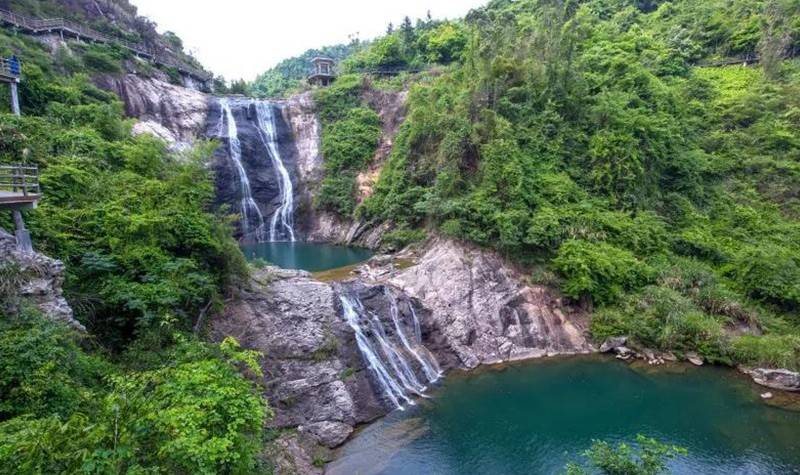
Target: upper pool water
311 257
534 418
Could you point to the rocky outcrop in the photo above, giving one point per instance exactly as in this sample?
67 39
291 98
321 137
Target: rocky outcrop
173 113
781 379
315 377
300 113
35 279
391 107
484 308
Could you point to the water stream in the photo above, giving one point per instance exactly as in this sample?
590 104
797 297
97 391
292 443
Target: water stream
401 367
249 208
254 226
282 222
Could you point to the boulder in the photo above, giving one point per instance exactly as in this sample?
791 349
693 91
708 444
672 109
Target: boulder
781 379
328 433
694 358
39 282
613 343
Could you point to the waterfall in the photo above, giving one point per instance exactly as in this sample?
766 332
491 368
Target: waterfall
248 204
421 354
392 363
282 221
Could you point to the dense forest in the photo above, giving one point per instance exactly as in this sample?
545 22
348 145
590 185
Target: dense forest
144 254
641 155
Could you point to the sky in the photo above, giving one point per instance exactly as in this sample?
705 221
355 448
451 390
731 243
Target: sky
242 38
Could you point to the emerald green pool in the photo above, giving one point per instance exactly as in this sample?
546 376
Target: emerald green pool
534 418
311 257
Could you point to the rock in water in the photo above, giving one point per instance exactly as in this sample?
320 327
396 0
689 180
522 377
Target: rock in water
613 343
694 358
781 379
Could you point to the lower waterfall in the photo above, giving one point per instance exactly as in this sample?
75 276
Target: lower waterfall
393 356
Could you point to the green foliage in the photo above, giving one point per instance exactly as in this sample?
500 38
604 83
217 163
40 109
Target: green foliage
144 253
63 410
581 138
412 46
400 238
350 133
290 74
648 457
777 351
599 270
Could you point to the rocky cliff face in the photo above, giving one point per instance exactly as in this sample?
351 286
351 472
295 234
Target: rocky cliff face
486 311
472 309
34 278
321 226
315 377
173 113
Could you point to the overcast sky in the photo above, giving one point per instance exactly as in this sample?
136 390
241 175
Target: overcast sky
242 38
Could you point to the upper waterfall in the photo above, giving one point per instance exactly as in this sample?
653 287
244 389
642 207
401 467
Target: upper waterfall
255 174
282 222
248 204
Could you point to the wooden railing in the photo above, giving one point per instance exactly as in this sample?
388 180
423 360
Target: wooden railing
69 28
19 178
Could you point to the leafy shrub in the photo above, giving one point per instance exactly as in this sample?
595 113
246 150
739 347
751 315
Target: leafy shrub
348 145
400 238
101 62
598 270
647 457
777 351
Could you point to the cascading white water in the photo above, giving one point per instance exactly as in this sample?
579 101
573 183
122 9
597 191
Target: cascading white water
282 222
248 204
388 361
420 353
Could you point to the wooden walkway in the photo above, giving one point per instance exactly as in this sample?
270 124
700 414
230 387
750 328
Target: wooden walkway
19 186
69 29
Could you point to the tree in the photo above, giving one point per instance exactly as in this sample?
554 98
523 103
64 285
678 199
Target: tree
776 36
650 457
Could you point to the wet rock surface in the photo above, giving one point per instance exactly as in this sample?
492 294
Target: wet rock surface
469 306
264 179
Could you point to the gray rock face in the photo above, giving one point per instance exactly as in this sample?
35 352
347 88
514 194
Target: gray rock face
315 376
173 113
472 308
781 379
485 311
38 280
